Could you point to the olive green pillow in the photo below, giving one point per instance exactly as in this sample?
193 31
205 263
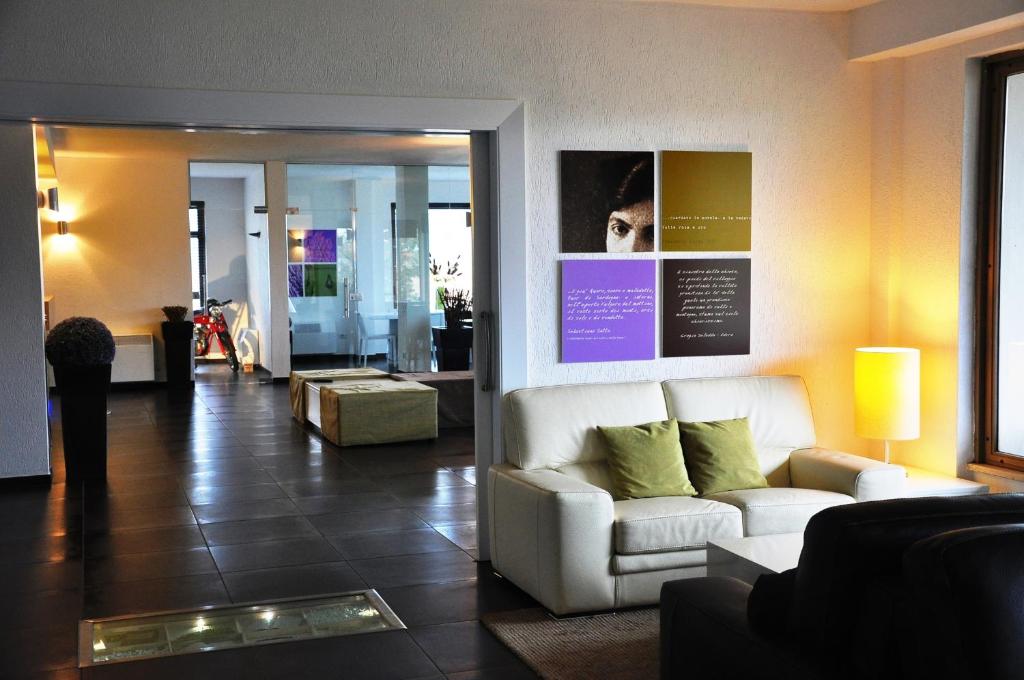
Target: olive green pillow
646 461
720 456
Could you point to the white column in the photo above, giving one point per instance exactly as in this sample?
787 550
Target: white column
277 241
412 215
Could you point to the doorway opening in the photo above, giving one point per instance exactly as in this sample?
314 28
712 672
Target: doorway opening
328 238
380 266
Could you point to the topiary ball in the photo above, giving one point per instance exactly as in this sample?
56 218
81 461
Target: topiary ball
80 341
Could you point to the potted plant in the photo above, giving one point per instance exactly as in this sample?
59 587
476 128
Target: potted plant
444 276
455 341
178 337
81 349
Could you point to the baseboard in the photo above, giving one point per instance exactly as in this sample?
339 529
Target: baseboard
29 483
129 386
136 385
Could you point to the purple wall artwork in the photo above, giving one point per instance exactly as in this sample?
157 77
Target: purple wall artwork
321 245
608 309
295 287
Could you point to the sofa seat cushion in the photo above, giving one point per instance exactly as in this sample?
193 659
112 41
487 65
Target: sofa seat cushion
645 525
779 510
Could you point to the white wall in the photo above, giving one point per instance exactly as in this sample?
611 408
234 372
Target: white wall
24 436
603 75
128 255
226 268
257 264
928 272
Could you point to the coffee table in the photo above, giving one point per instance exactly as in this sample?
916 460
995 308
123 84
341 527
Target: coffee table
747 558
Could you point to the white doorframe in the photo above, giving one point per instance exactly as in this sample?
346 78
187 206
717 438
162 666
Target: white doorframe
113 105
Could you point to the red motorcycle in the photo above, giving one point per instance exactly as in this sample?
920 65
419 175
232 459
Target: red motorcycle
212 325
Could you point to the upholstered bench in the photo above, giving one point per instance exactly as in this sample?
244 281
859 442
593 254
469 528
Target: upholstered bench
454 395
358 412
298 379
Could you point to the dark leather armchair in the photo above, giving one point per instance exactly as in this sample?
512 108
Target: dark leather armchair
847 611
967 603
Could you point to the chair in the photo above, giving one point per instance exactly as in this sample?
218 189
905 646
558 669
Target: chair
857 603
365 335
966 588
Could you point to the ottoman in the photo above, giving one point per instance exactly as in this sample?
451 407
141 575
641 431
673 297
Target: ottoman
298 379
359 412
454 395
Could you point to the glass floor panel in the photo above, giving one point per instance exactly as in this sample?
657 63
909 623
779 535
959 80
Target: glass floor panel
145 636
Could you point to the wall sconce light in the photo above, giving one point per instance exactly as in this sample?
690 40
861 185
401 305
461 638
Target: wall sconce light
62 227
48 199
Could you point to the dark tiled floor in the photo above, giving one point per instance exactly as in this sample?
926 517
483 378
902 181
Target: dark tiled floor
219 497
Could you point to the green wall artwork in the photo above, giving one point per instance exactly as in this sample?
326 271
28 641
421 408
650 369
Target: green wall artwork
321 280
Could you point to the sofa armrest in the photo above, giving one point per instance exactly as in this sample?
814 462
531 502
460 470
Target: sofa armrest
552 535
705 634
863 478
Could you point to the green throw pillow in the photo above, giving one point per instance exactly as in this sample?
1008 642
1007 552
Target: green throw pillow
646 461
720 456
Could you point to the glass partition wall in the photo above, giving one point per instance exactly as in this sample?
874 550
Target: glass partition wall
372 252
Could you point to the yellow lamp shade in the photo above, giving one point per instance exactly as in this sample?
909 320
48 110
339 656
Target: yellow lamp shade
887 392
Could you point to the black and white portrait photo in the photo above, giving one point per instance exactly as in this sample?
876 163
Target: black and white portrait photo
607 201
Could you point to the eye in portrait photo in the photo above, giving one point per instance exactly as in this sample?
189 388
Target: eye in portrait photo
607 201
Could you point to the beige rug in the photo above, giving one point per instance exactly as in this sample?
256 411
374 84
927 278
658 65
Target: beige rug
621 646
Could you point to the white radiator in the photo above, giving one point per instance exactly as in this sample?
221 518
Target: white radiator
133 361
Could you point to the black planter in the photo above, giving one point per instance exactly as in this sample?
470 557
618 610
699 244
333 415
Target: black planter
453 348
83 417
178 339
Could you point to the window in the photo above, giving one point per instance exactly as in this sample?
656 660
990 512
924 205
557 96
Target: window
197 250
451 249
1001 263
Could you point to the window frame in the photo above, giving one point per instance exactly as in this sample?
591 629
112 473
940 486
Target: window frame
995 71
394 236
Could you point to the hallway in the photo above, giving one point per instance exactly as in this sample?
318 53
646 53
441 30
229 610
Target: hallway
220 497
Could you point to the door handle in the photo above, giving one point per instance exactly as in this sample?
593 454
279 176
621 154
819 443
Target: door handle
347 303
487 342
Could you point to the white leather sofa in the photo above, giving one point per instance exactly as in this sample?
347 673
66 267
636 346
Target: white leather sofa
558 535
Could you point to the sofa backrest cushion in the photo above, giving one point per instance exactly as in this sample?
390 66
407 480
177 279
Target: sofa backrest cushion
849 589
966 587
552 427
776 407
